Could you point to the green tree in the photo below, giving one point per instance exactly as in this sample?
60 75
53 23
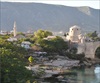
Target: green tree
21 33
56 44
13 63
40 34
31 59
93 36
73 50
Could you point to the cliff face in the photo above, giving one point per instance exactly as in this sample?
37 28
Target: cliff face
50 17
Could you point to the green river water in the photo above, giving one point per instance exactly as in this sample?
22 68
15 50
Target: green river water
83 75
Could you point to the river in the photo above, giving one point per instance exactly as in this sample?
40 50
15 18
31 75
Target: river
83 75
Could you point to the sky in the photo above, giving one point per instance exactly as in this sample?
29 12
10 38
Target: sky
91 3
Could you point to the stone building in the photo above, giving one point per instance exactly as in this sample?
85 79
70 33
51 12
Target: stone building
26 44
84 45
74 34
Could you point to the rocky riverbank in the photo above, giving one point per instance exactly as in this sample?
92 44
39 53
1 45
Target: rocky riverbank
46 69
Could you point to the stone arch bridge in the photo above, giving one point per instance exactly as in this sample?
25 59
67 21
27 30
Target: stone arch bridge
89 48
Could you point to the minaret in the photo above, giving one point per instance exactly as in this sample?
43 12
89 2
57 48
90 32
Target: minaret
14 29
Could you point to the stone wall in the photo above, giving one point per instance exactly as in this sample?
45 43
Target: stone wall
89 48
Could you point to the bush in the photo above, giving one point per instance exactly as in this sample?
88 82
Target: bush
75 56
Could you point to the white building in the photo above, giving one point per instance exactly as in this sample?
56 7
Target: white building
74 34
11 39
3 32
49 37
26 44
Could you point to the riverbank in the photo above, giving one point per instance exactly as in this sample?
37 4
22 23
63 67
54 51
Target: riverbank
85 75
89 62
45 69
53 67
73 75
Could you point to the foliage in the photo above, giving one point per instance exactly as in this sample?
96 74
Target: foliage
53 45
73 50
30 40
13 63
40 34
20 40
4 36
93 36
31 59
75 56
21 33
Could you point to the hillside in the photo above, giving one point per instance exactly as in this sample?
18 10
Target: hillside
50 17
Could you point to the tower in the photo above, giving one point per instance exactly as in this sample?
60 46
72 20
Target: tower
14 29
74 32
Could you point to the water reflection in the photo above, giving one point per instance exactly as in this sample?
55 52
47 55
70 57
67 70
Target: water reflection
86 75
97 73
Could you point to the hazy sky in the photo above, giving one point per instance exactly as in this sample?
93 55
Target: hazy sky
90 3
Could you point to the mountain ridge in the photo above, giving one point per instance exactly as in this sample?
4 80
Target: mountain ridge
46 16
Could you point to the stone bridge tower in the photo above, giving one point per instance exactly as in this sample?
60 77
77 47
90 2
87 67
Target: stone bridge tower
73 34
89 48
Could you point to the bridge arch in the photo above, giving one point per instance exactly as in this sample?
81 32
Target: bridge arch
90 49
97 52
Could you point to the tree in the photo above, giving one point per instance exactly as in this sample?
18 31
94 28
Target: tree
56 44
31 60
13 64
21 33
93 36
40 34
73 50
